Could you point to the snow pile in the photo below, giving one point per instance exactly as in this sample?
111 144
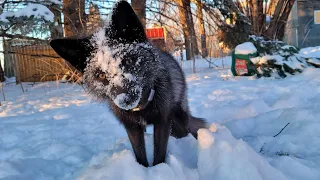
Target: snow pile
51 132
119 162
312 55
278 60
265 46
37 11
230 158
310 52
214 156
278 65
245 48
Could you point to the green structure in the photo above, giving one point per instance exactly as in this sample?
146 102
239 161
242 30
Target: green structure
242 65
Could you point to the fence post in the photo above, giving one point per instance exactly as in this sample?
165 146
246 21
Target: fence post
2 90
222 58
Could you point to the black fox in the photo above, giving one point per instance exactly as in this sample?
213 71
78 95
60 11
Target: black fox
142 84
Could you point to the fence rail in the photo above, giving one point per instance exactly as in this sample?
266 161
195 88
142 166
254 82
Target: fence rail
30 61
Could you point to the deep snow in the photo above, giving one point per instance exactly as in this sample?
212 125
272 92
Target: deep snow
56 131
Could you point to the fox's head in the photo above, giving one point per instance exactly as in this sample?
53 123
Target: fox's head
117 61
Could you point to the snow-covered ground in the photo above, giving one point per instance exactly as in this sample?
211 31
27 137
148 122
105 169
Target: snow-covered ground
55 131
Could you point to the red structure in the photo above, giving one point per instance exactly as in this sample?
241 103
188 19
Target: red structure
155 33
157 36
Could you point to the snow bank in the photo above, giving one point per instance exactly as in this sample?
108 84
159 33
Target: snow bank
51 132
246 48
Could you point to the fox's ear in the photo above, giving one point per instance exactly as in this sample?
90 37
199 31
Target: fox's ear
125 25
75 51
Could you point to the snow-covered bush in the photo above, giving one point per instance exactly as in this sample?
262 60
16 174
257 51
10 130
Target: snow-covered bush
265 46
275 59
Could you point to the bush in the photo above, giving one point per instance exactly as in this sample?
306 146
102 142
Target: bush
279 60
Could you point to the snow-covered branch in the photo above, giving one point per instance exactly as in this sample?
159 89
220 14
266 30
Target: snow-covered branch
37 11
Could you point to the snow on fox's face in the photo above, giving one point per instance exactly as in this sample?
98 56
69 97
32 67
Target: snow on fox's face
116 60
118 72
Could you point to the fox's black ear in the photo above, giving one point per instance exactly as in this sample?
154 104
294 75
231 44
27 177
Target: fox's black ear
125 25
75 51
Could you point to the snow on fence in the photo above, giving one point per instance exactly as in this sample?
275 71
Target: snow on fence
33 61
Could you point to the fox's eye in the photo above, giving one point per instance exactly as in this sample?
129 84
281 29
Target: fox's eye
102 76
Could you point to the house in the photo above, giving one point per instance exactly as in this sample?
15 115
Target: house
303 26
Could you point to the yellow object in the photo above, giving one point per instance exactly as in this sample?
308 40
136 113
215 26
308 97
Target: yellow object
317 17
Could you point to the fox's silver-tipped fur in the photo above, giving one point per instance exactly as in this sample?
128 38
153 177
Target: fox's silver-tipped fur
122 68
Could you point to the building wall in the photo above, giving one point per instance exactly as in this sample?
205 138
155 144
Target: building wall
291 34
300 29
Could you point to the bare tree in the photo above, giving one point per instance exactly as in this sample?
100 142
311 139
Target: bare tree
204 50
94 20
194 44
56 29
280 16
186 20
183 14
257 16
74 17
255 10
139 7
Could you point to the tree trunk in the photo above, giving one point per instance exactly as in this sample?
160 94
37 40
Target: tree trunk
194 44
2 79
93 18
56 30
283 20
272 6
275 19
185 29
261 16
257 16
279 20
204 50
251 12
186 21
139 7
74 17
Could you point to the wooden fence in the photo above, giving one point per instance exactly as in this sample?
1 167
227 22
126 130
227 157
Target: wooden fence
34 62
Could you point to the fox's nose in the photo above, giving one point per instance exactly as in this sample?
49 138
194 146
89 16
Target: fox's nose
126 98
126 101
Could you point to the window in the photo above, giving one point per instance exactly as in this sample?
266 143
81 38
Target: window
317 17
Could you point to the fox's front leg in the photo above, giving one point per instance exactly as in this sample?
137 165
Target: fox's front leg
161 134
136 135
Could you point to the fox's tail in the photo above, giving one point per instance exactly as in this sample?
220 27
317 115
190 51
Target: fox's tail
195 124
